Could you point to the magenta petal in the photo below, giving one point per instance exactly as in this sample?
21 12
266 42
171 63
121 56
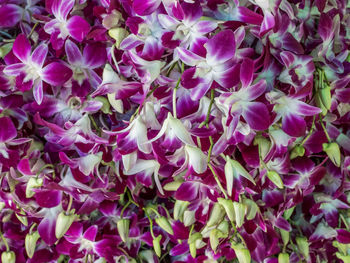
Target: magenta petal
47 227
256 90
188 57
343 236
221 47
283 224
305 109
61 8
7 129
90 233
21 48
38 91
246 72
293 125
48 198
10 15
24 167
14 69
39 55
179 249
201 89
187 191
256 115
73 53
78 28
94 55
56 74
145 7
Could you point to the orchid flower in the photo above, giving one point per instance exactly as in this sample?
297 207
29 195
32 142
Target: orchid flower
62 27
216 66
30 72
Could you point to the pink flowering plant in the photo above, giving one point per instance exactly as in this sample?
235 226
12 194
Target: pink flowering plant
204 131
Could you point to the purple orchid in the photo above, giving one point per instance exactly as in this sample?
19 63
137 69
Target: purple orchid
31 72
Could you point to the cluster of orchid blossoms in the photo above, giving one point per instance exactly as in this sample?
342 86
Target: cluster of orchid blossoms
204 131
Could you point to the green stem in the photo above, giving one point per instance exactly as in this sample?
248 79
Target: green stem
217 180
324 129
310 132
174 97
210 148
69 204
49 165
33 28
5 242
206 121
150 223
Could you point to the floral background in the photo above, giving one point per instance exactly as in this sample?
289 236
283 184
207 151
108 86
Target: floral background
174 131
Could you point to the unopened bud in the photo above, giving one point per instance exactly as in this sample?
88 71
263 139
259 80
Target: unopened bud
118 34
179 209
217 214
164 224
30 243
215 234
240 210
325 96
242 254
33 182
228 206
298 151
193 249
275 178
123 228
345 259
63 223
8 257
189 217
252 208
333 152
303 246
283 258
156 245
285 236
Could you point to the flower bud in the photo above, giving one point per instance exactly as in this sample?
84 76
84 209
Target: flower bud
242 254
179 209
217 214
215 234
342 257
5 49
288 213
164 224
193 249
33 183
123 228
156 245
2 205
275 178
8 257
325 96
264 145
30 243
63 223
303 246
118 34
194 237
228 206
189 217
172 186
115 103
333 152
283 258
105 104
252 208
240 210
298 151
285 236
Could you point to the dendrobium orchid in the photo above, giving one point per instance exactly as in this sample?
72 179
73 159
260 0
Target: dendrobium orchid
174 131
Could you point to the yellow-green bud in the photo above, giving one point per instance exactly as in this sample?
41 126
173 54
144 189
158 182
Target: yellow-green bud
156 245
275 178
63 223
303 246
283 258
164 224
217 214
243 254
228 206
118 34
333 152
123 228
30 243
285 236
298 151
240 210
33 182
8 257
179 209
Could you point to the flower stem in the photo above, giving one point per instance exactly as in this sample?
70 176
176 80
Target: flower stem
324 129
5 242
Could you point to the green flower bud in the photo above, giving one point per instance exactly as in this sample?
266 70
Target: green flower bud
194 237
164 224
8 257
217 214
346 259
325 96
33 183
156 245
264 145
115 103
252 208
172 186
240 210
189 217
283 258
228 206
319 104
5 49
303 246
123 228
298 151
193 249
288 213
179 209
285 236
243 254
275 178
105 104
63 223
333 152
118 34
215 234
30 243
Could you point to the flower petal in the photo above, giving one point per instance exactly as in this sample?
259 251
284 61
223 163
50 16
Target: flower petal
73 53
78 28
39 55
21 48
10 15
7 129
221 47
293 125
246 72
56 74
256 115
188 57
94 55
145 7
61 8
187 191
